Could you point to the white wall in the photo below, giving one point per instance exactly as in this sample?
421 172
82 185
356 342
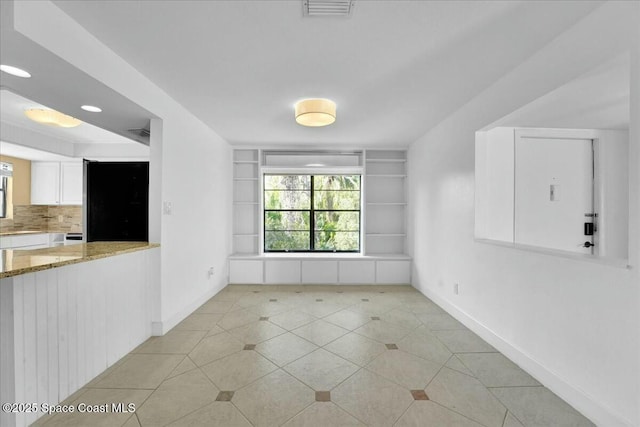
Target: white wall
195 171
572 324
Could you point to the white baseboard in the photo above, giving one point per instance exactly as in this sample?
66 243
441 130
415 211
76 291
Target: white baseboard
600 414
162 327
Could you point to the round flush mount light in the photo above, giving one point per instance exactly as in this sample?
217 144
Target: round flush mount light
91 108
15 71
315 112
52 118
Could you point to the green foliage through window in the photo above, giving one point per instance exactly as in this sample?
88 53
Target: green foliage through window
312 213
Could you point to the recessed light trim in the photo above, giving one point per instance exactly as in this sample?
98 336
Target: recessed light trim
15 71
91 109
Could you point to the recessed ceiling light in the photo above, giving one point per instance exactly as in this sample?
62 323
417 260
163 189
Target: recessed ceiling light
52 118
15 71
91 108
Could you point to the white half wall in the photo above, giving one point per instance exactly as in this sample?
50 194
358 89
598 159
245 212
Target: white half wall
574 325
194 175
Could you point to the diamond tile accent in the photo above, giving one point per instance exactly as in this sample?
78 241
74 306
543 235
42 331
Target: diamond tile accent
419 395
365 299
225 396
321 370
372 399
319 300
249 347
264 318
467 396
323 396
391 346
273 300
273 399
375 318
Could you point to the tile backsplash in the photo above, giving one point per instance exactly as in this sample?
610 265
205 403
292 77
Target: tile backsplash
44 218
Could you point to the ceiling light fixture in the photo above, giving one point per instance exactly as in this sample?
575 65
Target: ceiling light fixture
15 71
52 118
91 109
315 112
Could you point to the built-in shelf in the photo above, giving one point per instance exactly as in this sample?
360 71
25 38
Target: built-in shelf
246 202
385 200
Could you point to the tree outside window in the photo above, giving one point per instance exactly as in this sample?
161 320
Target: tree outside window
312 213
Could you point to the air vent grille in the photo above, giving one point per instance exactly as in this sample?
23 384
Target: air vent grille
327 7
141 132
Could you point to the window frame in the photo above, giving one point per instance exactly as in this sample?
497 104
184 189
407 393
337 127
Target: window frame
312 210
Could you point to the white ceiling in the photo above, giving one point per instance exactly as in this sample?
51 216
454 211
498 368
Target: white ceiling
599 99
395 68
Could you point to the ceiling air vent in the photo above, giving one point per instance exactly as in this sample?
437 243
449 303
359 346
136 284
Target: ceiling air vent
141 135
327 7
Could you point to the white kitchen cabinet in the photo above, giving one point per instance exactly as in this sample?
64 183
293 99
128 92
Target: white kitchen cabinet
45 183
56 183
70 183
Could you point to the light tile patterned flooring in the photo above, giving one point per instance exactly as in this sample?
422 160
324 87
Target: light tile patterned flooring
320 356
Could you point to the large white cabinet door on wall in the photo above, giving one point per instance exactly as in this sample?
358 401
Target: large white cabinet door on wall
56 183
45 183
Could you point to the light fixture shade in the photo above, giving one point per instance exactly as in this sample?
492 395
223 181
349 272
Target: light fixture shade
52 118
315 112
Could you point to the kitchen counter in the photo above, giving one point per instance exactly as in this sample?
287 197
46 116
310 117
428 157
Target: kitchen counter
14 262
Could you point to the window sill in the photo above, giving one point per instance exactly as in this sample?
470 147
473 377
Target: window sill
612 262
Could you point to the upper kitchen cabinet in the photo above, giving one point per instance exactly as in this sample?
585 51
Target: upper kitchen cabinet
56 183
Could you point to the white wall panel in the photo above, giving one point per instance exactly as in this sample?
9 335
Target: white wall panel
393 272
357 272
319 271
64 326
282 272
243 271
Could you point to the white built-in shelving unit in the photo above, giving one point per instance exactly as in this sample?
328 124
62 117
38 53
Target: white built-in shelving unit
385 202
383 259
246 201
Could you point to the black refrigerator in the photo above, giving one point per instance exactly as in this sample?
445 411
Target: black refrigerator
116 205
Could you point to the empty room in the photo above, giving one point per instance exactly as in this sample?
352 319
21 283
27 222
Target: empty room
320 213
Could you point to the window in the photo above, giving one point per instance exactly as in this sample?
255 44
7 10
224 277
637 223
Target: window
311 213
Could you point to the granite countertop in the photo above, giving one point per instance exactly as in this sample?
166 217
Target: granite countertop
14 262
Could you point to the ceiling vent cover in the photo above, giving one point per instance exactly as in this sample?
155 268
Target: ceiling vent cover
327 7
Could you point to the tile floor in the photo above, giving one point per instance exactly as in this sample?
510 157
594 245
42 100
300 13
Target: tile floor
319 356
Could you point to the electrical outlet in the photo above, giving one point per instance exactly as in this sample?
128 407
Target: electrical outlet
456 288
60 218
167 208
210 272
